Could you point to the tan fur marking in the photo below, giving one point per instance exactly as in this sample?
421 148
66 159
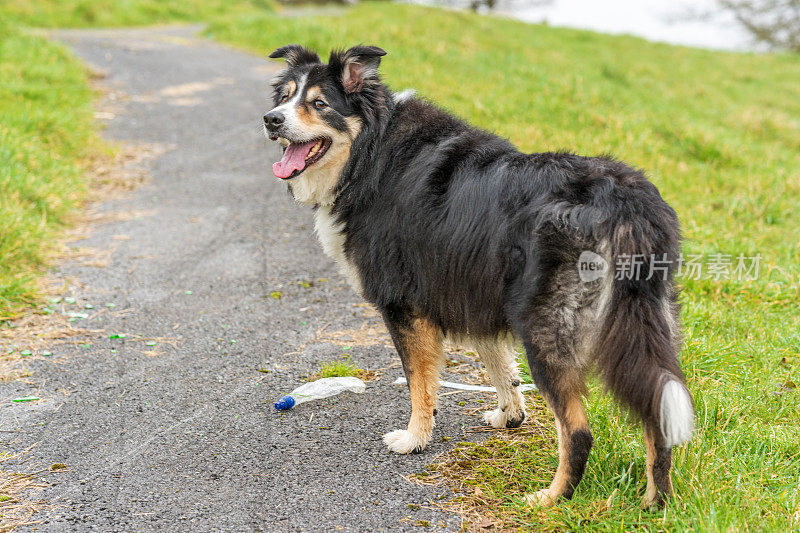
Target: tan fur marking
291 87
306 118
572 419
575 418
313 93
423 345
651 495
559 482
317 184
652 490
355 125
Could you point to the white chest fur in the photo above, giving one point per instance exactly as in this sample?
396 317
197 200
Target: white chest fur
329 232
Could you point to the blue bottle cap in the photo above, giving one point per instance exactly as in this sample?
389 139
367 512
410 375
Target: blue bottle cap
285 403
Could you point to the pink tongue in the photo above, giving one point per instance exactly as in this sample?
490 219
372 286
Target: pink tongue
294 158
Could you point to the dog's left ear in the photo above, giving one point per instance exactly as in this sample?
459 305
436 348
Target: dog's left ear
358 66
295 55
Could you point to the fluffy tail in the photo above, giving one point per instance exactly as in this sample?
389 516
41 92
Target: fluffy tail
638 346
637 233
638 362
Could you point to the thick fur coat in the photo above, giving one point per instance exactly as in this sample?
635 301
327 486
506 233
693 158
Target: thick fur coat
451 232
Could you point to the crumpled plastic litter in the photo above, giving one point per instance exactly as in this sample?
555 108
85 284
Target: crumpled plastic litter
321 388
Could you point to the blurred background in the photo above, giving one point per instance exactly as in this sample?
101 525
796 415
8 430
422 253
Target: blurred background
722 24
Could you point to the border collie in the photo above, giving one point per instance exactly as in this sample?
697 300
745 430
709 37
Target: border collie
450 232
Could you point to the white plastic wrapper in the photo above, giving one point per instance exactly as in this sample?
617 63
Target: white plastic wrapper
463 386
325 388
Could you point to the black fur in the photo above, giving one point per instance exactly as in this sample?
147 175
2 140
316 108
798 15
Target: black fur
580 443
451 223
306 63
661 468
458 226
296 55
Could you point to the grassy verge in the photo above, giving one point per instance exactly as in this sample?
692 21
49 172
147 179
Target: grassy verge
343 367
46 131
718 133
46 125
108 13
47 139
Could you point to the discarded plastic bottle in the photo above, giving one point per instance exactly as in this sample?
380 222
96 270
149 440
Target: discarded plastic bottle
321 388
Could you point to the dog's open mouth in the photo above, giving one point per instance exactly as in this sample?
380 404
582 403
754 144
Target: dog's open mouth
299 156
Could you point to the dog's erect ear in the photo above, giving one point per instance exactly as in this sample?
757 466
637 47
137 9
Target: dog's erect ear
296 55
358 65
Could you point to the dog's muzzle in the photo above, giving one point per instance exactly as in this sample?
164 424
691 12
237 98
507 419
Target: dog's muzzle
274 121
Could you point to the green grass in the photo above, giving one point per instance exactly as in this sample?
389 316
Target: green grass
338 368
719 133
46 131
109 13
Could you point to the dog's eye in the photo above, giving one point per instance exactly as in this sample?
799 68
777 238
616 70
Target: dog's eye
284 98
319 104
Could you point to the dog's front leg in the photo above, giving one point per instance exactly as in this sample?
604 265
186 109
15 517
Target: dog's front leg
419 344
500 360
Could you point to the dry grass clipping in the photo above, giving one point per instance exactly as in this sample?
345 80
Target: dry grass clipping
34 332
370 333
17 491
461 469
121 170
111 173
124 170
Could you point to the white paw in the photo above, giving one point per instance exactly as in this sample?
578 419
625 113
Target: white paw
403 441
510 418
540 498
496 418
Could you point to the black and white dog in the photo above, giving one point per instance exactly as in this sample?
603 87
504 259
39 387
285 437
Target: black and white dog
451 232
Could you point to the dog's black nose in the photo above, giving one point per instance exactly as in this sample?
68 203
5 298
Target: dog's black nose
274 120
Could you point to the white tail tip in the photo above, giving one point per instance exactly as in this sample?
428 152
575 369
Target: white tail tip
402 96
677 415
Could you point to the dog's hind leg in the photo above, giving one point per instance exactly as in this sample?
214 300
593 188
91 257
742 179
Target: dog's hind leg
500 360
419 344
562 388
659 462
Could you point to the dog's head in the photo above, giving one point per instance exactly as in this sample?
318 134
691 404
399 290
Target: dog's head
319 110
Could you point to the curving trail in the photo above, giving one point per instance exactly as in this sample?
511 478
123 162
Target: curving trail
181 436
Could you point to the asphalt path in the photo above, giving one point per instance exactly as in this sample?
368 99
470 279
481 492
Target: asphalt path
211 260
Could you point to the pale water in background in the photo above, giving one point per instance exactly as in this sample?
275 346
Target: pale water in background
671 21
